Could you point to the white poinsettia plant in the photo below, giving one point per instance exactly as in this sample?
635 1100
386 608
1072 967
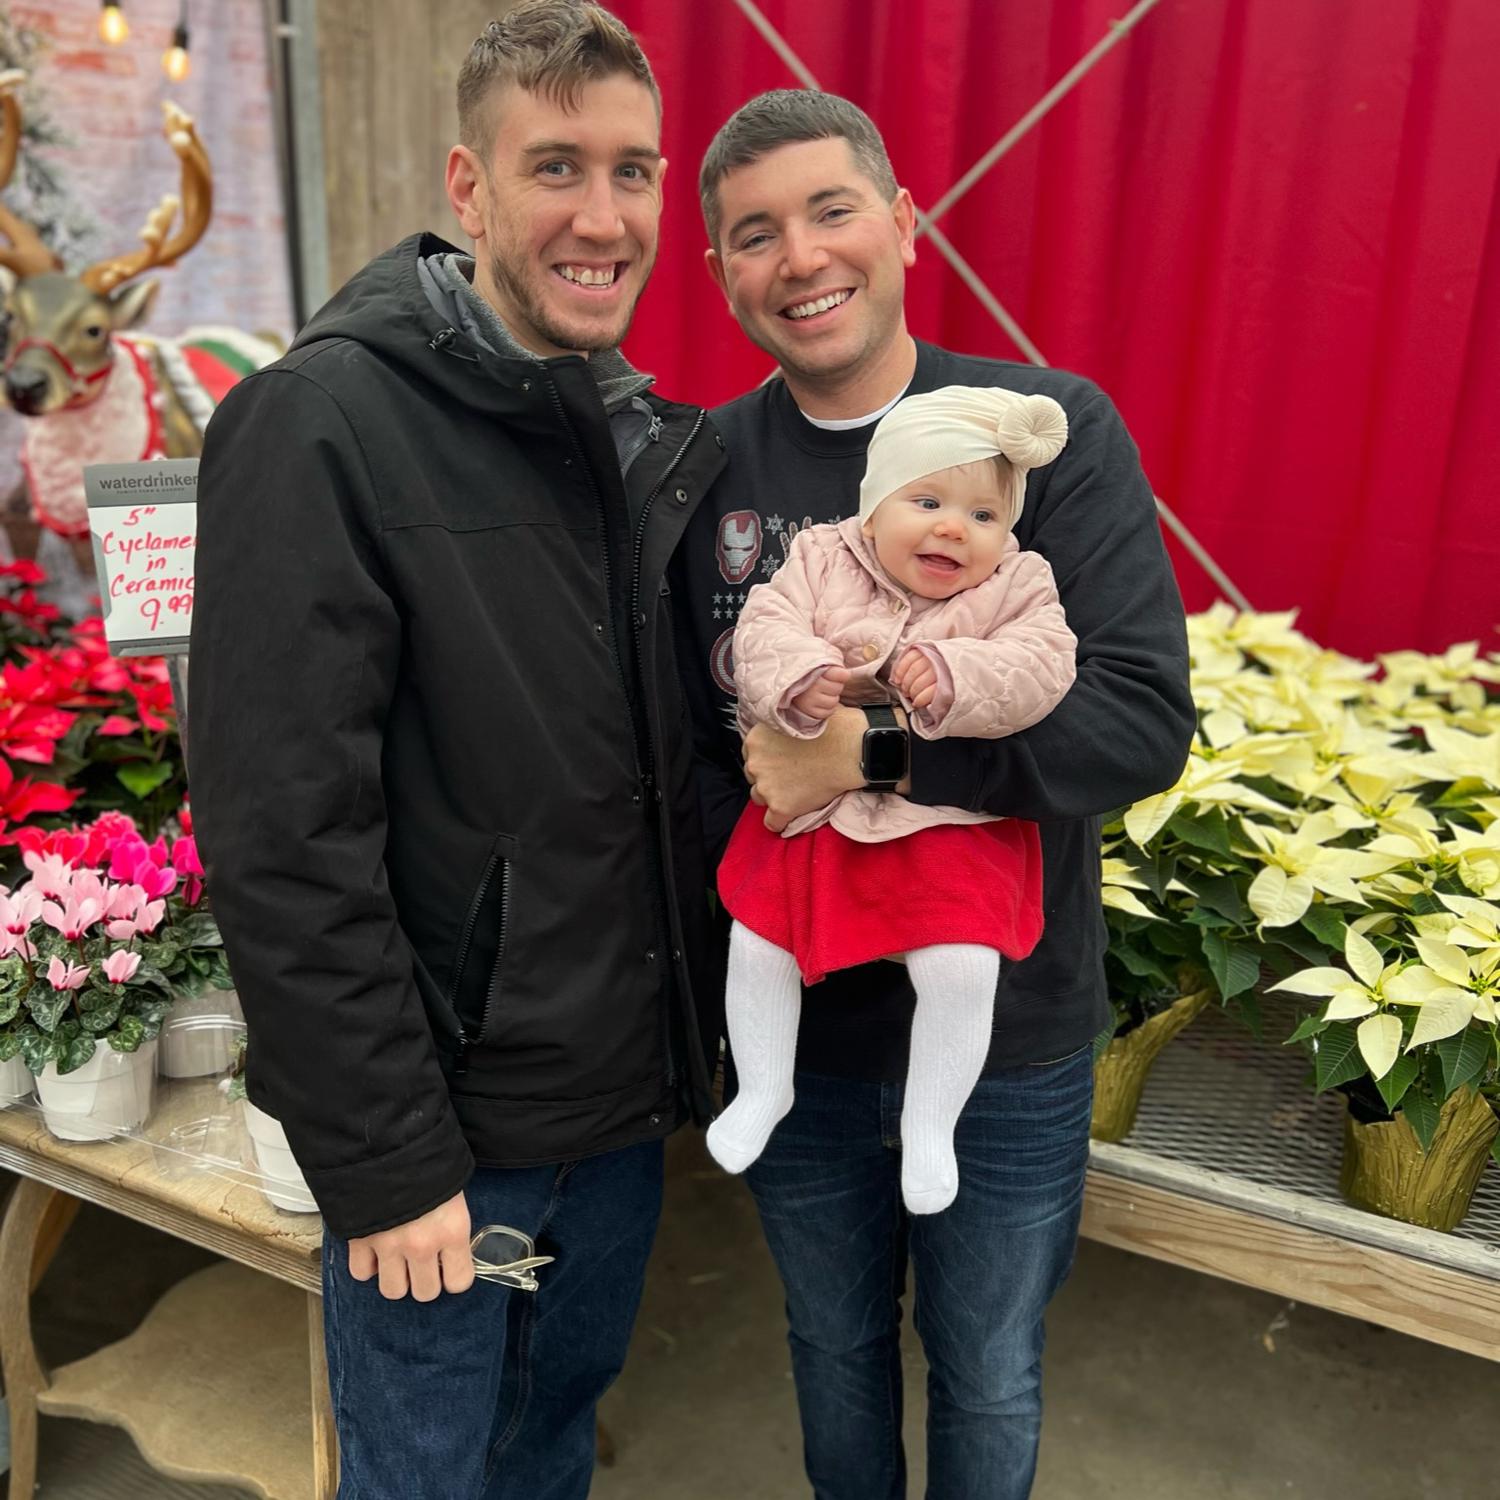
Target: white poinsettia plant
1336 830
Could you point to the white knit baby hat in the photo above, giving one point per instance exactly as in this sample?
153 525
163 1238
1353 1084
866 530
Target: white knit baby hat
956 425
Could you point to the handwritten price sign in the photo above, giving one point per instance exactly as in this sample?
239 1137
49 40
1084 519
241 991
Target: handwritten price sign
144 522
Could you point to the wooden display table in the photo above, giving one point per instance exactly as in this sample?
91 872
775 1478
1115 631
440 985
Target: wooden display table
225 1380
1233 1170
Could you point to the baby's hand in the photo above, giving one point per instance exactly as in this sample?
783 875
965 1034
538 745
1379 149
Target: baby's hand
915 677
820 700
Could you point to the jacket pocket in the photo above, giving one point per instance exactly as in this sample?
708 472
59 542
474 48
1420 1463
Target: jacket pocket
481 942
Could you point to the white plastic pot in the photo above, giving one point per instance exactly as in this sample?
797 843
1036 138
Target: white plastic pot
281 1178
15 1082
109 1095
198 1034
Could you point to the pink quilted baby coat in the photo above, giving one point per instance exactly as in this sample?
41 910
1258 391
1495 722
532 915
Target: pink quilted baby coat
1002 649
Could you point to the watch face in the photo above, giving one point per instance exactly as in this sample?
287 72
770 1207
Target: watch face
884 757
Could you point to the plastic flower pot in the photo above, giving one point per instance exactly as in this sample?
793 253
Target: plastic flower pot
198 1034
1121 1071
1385 1170
15 1082
109 1095
281 1178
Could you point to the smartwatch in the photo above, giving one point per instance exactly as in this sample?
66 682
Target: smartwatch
883 755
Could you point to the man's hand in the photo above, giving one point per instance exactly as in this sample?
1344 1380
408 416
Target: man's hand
916 677
790 777
820 700
427 1256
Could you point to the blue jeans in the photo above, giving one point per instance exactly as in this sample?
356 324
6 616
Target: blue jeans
828 1187
490 1394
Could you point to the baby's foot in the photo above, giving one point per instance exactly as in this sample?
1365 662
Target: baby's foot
740 1134
929 1177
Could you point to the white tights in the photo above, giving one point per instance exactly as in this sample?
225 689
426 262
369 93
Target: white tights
950 1038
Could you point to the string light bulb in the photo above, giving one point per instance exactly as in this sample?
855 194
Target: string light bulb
175 62
112 25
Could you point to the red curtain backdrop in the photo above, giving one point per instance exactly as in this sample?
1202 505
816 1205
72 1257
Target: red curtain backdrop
1270 230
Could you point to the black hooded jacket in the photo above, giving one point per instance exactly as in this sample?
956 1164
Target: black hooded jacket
439 756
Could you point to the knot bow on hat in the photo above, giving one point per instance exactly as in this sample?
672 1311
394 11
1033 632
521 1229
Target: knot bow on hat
960 424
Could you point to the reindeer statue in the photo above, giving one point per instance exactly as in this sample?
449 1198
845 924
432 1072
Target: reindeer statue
93 395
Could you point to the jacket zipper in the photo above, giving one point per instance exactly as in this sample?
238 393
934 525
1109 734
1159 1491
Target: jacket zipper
489 989
636 619
463 955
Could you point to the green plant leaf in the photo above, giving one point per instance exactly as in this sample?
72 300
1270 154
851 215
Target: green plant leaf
163 955
1142 965
10 1045
1102 1041
1422 1115
10 1007
98 1020
1325 924
198 929
1313 1025
36 1047
1174 939
1206 916
1338 1058
1248 1005
1394 1085
1208 830
1222 894
1235 966
74 1051
141 778
1425 904
1306 948
48 1006
1464 1056
129 1034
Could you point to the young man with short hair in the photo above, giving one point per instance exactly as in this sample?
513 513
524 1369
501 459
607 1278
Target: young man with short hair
439 776
810 239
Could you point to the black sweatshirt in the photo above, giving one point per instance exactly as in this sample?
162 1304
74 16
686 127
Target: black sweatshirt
1121 733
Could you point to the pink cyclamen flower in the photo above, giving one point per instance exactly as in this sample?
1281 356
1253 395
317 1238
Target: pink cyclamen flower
125 854
122 900
19 909
74 919
157 880
185 856
143 864
87 886
63 976
10 943
144 916
50 873
125 902
120 966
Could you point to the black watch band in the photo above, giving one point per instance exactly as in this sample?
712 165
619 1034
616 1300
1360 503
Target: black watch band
884 753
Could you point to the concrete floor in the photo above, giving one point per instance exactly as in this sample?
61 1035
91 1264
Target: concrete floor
1161 1384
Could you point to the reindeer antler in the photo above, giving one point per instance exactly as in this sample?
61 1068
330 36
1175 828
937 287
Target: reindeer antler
26 255
197 205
